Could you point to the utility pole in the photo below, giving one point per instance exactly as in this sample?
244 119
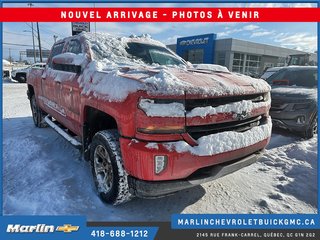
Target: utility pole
10 58
55 38
34 50
39 41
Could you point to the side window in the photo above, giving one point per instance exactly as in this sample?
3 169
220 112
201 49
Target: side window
74 46
56 49
304 78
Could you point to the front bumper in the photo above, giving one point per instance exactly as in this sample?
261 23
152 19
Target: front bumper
289 119
154 189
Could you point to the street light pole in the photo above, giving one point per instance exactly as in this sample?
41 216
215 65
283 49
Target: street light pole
34 50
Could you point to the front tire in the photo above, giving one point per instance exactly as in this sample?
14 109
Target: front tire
312 129
107 167
37 114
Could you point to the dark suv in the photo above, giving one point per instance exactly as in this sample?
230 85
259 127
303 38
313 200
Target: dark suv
294 99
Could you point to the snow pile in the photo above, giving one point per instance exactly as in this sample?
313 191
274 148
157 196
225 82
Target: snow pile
293 166
166 83
110 86
259 85
211 67
224 141
152 145
152 109
236 107
6 63
226 84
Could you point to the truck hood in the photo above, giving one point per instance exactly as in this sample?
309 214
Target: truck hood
193 82
293 93
115 84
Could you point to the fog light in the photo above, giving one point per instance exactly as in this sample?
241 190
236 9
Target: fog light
160 163
301 120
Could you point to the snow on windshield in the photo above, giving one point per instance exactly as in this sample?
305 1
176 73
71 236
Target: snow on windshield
113 74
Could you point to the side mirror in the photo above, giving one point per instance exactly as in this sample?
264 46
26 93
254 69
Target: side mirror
68 62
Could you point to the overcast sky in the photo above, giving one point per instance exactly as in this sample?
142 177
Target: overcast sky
300 36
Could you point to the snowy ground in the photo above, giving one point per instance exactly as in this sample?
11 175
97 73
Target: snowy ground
44 175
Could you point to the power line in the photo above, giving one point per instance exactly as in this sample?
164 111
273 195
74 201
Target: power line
22 45
34 31
15 33
48 31
17 44
36 35
42 40
16 49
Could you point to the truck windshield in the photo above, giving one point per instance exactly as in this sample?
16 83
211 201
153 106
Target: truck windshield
152 54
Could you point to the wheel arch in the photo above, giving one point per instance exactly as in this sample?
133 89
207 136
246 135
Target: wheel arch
95 120
30 91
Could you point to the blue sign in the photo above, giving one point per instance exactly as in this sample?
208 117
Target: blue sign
245 221
66 228
205 42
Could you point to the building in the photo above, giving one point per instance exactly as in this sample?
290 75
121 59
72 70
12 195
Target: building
237 55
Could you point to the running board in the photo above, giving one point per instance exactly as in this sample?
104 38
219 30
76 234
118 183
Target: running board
63 133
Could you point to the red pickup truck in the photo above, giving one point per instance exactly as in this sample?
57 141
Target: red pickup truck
150 123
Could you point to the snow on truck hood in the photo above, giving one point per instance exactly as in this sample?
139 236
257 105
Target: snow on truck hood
113 74
117 84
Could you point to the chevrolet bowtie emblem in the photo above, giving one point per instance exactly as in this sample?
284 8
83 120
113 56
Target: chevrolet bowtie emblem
67 228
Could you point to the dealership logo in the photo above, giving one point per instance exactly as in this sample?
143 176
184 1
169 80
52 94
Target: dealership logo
40 228
67 228
195 41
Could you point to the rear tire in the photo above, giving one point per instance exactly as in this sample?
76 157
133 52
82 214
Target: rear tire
107 167
37 114
21 78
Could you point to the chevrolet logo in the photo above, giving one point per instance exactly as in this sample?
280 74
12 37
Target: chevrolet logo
240 116
67 228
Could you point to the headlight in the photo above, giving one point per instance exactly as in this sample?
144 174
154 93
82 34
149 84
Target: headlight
162 107
301 106
162 130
